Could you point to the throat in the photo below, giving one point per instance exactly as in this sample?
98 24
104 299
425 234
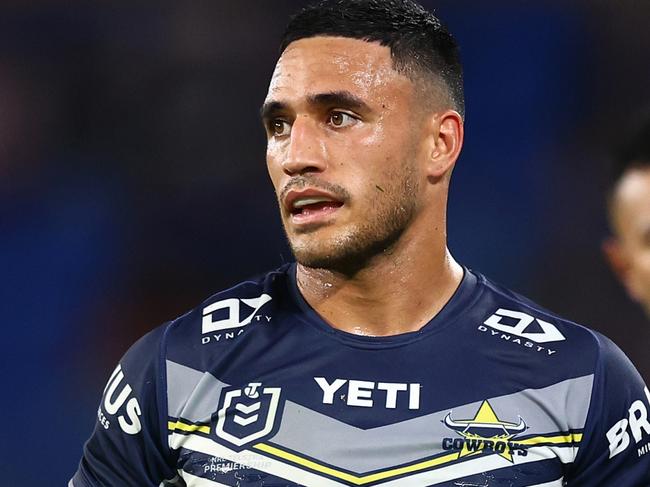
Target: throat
388 304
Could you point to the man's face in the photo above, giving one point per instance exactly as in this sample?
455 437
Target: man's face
631 249
343 143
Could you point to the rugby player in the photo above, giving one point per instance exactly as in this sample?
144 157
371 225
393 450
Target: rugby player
376 358
628 249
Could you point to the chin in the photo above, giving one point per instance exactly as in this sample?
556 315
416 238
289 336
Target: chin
344 254
315 255
350 248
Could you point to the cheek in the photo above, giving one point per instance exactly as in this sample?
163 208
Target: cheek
387 134
640 268
273 165
385 157
391 139
644 265
377 163
372 151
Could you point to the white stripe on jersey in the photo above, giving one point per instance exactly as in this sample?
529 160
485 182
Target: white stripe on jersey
431 477
556 483
194 481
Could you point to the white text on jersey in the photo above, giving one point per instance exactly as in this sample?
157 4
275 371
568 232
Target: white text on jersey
637 422
364 394
112 404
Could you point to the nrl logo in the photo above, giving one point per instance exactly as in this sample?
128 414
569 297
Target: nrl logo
485 432
247 414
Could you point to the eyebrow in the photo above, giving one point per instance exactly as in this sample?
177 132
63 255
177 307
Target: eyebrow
342 99
270 108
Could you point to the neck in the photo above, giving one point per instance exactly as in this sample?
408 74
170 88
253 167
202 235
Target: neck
397 292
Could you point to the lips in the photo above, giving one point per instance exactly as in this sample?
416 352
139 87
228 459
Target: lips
311 205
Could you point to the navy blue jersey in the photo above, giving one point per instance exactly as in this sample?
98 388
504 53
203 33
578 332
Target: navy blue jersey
253 388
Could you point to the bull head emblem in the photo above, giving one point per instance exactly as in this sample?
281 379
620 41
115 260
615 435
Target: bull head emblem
500 429
485 431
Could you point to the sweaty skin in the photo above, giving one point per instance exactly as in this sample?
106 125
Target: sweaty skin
629 251
344 126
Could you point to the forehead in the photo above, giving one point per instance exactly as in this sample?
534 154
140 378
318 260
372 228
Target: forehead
633 197
325 64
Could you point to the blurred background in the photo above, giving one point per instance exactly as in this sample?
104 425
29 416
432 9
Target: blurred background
133 184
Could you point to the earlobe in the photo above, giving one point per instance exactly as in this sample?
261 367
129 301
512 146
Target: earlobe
447 141
613 255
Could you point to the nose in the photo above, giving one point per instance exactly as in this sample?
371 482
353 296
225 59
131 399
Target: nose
306 151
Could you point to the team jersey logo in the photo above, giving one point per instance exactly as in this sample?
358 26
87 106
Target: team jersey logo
525 326
366 394
248 414
485 432
229 313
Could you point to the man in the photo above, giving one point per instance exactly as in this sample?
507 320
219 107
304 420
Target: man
628 250
377 358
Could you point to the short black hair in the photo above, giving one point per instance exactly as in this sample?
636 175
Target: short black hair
633 153
419 42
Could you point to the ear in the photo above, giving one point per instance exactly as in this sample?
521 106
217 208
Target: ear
446 141
619 262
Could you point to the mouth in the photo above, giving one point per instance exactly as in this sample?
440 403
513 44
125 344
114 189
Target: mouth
311 206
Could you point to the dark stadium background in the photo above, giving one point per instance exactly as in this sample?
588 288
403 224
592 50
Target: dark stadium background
133 185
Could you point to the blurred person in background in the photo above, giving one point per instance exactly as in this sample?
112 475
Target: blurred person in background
628 249
376 357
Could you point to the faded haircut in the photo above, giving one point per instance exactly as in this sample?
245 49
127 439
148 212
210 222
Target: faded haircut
421 46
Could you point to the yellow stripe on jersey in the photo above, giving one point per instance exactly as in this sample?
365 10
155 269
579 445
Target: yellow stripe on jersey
570 439
353 478
573 438
567 439
190 428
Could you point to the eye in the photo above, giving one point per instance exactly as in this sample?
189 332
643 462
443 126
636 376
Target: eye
279 128
341 119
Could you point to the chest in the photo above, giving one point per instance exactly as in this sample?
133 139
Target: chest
316 427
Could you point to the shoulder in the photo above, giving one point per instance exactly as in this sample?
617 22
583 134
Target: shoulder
512 318
607 396
223 317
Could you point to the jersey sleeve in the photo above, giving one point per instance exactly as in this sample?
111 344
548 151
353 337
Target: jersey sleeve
615 449
128 446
